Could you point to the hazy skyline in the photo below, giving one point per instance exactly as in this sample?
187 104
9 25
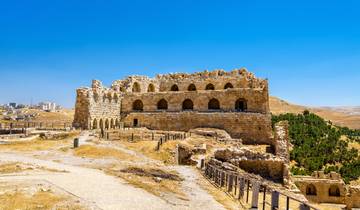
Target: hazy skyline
309 51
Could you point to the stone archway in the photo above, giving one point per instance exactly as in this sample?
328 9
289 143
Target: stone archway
241 105
107 125
174 88
151 88
94 124
228 85
334 191
311 190
192 87
187 104
138 105
112 124
136 88
210 87
214 104
101 124
162 104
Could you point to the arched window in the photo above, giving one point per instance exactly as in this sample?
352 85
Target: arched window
109 95
228 85
311 190
116 97
214 104
96 97
95 125
112 125
188 105
117 123
174 88
162 104
210 87
136 87
122 89
241 105
151 88
334 191
106 124
138 105
101 124
191 87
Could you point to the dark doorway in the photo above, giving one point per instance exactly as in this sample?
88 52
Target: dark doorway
188 105
162 104
214 104
136 123
241 105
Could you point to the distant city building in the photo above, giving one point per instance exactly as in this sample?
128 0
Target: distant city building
13 104
47 106
21 106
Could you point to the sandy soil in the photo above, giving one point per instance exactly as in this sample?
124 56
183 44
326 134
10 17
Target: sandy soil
85 178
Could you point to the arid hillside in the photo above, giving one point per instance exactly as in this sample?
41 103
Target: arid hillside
343 116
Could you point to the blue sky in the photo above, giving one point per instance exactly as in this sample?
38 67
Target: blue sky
309 50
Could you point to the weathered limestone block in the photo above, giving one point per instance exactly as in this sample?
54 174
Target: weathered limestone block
264 164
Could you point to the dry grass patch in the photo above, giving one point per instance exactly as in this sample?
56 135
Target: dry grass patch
219 195
165 154
33 145
40 200
91 151
16 167
154 180
12 167
40 144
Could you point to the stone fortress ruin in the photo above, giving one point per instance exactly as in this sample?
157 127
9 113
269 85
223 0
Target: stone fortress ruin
235 101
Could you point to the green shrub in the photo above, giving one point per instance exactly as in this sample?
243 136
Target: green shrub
317 144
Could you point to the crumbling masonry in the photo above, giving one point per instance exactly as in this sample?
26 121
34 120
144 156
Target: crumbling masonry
235 101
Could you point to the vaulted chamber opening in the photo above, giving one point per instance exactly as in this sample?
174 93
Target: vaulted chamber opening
188 105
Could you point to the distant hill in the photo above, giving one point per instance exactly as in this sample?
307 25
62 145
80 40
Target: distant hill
342 116
63 115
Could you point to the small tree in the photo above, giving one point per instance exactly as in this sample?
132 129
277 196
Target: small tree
306 112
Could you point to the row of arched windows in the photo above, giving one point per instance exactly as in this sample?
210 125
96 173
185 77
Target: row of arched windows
213 104
136 88
333 190
105 124
209 86
151 88
106 97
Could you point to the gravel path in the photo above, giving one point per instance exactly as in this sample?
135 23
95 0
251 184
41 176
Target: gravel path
109 192
106 192
198 197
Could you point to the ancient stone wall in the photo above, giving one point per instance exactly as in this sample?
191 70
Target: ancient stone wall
264 164
97 107
321 188
236 101
255 100
252 128
353 198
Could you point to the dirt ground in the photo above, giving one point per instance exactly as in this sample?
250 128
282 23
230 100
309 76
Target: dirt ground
95 172
99 174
